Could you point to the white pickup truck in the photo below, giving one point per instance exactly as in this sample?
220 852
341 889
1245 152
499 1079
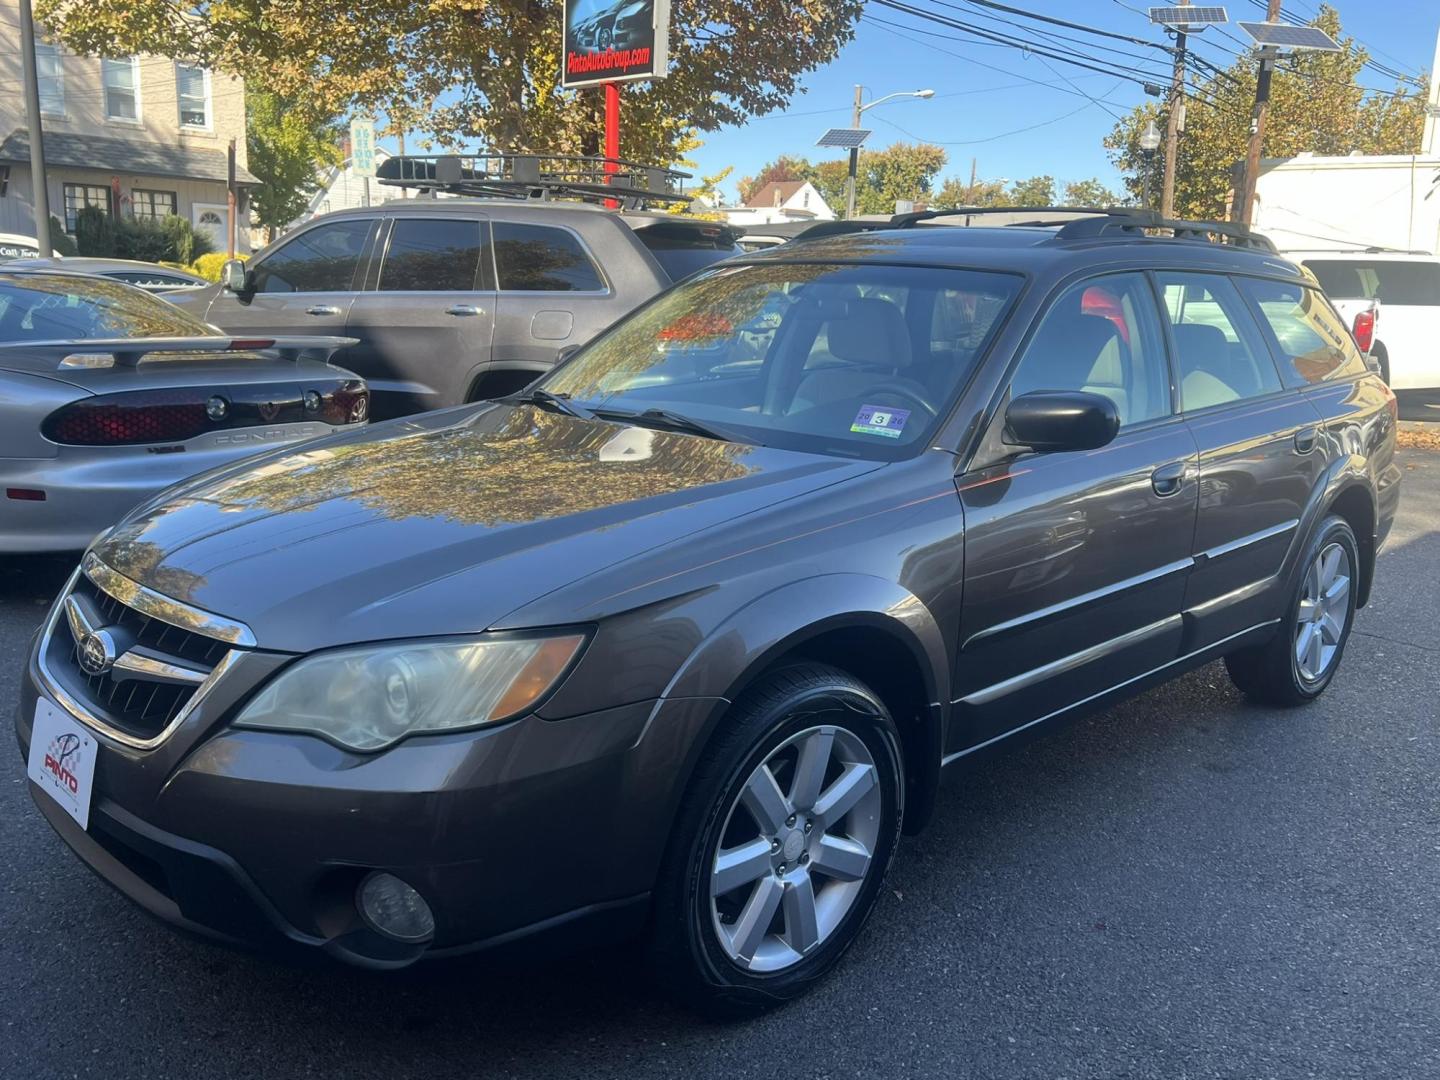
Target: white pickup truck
1405 324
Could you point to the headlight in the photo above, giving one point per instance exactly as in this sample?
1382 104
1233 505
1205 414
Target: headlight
367 698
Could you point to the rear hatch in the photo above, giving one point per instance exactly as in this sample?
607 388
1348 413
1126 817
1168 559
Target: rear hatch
683 246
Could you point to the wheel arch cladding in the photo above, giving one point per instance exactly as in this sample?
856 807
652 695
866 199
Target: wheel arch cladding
868 627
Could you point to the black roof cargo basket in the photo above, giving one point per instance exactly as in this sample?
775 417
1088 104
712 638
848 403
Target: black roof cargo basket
1070 222
535 176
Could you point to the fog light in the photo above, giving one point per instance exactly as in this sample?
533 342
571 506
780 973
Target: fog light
393 908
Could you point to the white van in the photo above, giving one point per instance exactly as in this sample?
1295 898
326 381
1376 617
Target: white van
1407 334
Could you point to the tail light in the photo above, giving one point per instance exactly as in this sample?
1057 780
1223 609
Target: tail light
1364 329
177 415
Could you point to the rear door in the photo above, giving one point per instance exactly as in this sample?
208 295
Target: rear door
426 318
1260 457
1075 563
552 294
305 285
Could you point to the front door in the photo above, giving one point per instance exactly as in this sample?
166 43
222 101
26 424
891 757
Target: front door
1075 562
303 286
425 328
1261 454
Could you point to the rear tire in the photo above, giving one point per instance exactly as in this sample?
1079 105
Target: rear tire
1298 663
781 844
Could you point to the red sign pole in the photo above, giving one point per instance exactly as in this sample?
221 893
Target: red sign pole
612 135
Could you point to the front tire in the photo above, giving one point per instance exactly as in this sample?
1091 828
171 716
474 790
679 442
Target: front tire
781 845
1296 666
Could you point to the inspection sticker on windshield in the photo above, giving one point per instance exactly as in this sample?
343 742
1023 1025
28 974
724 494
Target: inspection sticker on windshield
879 420
62 760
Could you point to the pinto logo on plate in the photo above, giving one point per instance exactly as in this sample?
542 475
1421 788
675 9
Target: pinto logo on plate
62 761
880 420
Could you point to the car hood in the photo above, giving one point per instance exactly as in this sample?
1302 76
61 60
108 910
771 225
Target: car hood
441 524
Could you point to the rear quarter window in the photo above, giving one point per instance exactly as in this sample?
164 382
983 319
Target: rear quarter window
1398 283
1311 342
682 251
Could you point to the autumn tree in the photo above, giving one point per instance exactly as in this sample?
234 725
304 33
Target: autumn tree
783 169
902 171
478 69
286 145
1316 104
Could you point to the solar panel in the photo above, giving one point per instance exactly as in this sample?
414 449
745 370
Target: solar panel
845 138
1282 36
1188 16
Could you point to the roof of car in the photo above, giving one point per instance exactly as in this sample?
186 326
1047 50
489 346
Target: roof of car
80 264
1024 248
559 208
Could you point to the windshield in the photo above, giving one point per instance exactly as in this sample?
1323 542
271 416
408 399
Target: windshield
855 360
68 307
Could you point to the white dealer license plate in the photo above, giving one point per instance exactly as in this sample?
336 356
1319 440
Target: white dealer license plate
62 760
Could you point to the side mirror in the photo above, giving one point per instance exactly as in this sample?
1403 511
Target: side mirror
234 276
1061 420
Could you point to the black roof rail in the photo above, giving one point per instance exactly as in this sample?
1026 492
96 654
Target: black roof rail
535 176
836 227
1134 222
1042 215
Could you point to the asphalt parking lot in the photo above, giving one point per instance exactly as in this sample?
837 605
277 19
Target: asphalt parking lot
1184 886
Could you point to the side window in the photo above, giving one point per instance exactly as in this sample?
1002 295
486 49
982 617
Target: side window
538 258
1219 355
437 256
1313 343
1102 336
322 259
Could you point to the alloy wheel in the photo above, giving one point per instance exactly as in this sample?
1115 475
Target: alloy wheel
796 848
1324 612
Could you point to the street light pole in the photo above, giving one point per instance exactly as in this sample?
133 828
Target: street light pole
1257 124
1149 143
39 189
855 150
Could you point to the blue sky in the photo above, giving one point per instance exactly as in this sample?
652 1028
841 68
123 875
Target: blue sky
983 99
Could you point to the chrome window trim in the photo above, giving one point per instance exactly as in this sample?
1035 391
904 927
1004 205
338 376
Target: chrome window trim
60 696
158 606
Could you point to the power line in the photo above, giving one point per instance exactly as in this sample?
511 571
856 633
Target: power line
1001 135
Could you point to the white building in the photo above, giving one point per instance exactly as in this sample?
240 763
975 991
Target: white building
781 201
1312 202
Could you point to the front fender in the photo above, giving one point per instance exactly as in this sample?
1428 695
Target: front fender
779 622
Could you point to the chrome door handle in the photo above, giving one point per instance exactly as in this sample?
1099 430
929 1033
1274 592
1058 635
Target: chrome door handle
1306 439
1168 479
463 309
322 309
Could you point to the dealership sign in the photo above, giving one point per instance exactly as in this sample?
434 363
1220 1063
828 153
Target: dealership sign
615 41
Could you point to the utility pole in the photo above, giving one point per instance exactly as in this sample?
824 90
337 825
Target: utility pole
230 201
854 158
1257 122
974 179
39 189
1175 123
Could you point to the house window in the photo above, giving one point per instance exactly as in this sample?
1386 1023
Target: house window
51 78
79 196
152 205
122 88
192 87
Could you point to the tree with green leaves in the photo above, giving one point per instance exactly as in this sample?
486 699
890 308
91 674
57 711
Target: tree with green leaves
1316 104
901 171
287 145
1089 193
784 169
478 69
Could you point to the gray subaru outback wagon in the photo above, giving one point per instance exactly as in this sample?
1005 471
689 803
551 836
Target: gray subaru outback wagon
681 640
454 300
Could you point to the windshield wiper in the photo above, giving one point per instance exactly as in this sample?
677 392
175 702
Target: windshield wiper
668 421
546 399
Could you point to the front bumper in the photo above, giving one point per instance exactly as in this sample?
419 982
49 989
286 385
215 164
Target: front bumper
89 488
260 839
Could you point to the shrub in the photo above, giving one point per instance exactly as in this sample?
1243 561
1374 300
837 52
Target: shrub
170 239
208 265
94 233
60 240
